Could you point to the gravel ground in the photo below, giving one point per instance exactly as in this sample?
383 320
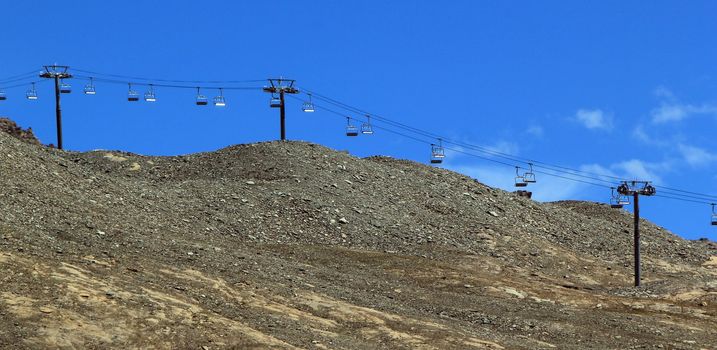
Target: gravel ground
294 245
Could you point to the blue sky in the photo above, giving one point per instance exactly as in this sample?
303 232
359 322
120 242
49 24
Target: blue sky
627 89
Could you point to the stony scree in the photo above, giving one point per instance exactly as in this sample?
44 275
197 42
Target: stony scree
10 127
291 244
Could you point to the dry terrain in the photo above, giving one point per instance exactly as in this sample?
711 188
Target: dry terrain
290 245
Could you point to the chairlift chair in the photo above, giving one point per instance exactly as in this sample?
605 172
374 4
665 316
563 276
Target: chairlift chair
615 204
3 96
132 95
437 152
351 130
275 102
366 127
616 200
65 88
90 88
149 96
219 101
714 216
201 99
519 179
308 106
32 93
529 176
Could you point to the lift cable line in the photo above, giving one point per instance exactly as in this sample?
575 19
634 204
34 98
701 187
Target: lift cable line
8 81
174 86
684 191
490 152
19 76
682 199
687 197
552 173
24 84
170 80
428 142
581 173
597 177
600 177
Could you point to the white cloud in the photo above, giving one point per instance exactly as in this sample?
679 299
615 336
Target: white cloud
664 93
547 189
535 130
675 112
671 110
594 119
641 170
695 156
599 171
643 136
640 134
629 169
668 113
504 147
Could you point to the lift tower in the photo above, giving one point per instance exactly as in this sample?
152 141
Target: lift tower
280 86
57 72
635 189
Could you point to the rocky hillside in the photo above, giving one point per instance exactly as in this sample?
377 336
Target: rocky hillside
293 245
10 127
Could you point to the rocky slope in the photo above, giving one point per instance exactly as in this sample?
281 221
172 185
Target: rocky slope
293 245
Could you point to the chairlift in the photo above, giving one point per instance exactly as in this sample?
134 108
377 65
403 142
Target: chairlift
201 99
32 93
351 130
617 200
366 127
437 152
65 88
519 179
90 88
149 96
714 215
529 176
308 106
3 96
132 95
275 102
219 101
